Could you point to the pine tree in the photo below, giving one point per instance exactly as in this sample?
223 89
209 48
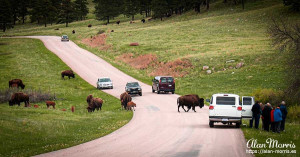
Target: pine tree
159 7
106 9
6 14
67 11
81 9
131 8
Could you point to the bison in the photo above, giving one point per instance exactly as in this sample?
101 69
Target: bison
94 103
68 73
125 98
130 105
50 103
90 25
190 101
17 83
19 97
143 20
118 22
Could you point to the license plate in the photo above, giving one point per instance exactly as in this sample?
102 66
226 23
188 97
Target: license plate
170 85
224 120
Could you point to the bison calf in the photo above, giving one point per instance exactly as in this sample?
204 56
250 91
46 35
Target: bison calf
131 105
50 103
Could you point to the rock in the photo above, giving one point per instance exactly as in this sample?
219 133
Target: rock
205 67
208 71
239 65
230 61
134 44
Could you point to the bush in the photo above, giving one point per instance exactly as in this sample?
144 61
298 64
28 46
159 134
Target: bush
34 95
268 95
101 31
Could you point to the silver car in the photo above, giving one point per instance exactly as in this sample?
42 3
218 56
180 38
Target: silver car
64 38
104 82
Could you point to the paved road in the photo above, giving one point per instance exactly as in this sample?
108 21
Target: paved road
156 129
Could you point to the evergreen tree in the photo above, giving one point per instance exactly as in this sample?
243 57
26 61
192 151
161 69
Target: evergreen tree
131 8
106 9
294 3
159 7
6 14
81 9
15 7
67 11
24 9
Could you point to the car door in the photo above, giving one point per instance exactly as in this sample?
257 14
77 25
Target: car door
154 84
247 103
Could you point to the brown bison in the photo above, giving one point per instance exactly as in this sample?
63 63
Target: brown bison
190 101
19 97
16 83
125 98
36 106
130 105
90 25
68 73
94 103
50 103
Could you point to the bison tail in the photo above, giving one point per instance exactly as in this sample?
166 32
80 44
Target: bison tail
177 101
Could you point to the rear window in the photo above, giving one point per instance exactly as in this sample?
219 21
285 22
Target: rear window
104 80
247 101
166 80
225 101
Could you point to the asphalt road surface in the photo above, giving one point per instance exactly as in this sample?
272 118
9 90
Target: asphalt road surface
156 129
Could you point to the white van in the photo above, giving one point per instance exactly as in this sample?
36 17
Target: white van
225 108
247 103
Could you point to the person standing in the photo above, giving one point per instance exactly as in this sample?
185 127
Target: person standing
284 114
272 119
277 119
255 115
266 115
262 106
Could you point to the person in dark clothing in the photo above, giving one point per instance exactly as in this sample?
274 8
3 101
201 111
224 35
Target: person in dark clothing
256 110
284 113
266 114
277 119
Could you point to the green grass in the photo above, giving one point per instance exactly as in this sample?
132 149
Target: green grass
291 135
31 131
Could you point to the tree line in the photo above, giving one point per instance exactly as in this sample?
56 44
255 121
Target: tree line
41 11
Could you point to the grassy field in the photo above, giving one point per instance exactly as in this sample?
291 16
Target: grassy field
31 131
225 32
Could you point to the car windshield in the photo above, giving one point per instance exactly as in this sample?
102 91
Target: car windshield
132 84
64 36
166 79
105 80
225 101
247 101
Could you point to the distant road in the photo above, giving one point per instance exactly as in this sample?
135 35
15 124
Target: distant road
156 129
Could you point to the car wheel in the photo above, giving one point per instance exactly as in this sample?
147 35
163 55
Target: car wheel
211 124
173 92
158 91
140 94
238 125
153 90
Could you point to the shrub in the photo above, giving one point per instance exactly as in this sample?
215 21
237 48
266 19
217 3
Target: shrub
268 95
34 95
101 31
293 114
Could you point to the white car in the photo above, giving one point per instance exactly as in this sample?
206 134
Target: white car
104 82
225 108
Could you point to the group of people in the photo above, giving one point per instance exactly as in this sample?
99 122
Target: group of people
274 116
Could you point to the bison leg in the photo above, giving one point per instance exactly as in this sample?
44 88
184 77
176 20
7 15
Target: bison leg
189 107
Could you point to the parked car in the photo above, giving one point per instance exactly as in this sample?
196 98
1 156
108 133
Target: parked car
133 88
104 82
64 38
163 84
247 103
225 108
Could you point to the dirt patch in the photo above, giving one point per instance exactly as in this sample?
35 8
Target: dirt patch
97 41
139 62
177 68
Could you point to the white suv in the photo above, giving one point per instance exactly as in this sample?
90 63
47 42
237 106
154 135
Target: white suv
225 108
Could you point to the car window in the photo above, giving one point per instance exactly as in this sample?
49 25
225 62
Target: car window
163 80
225 101
170 80
247 101
105 80
132 84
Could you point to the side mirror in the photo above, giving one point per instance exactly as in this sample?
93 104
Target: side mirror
208 100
